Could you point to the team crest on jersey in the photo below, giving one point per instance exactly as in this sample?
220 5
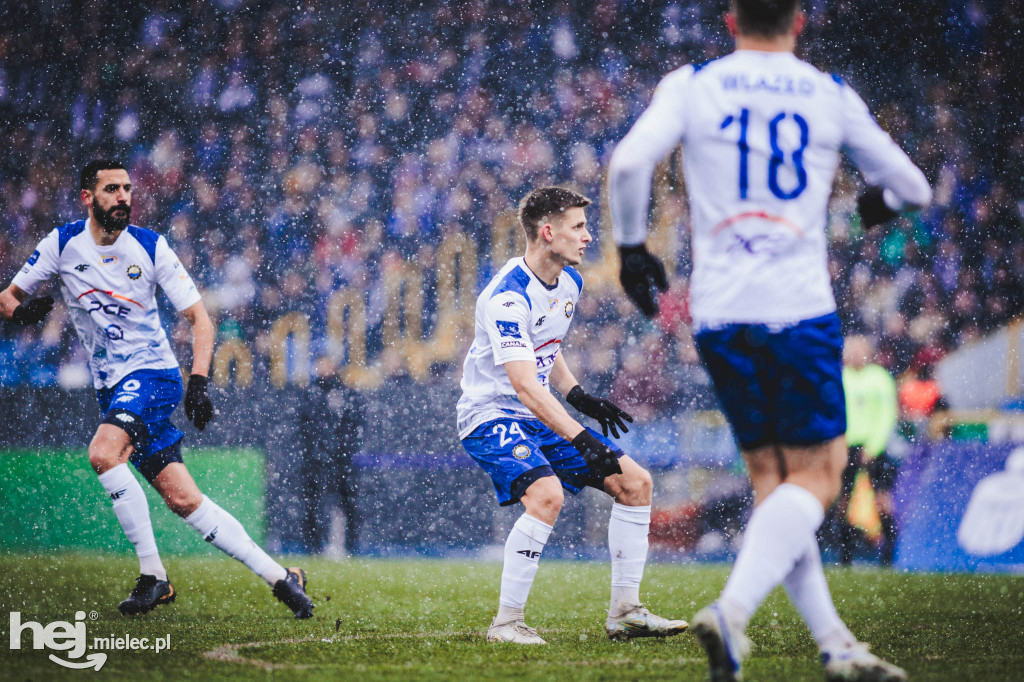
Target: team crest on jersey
568 308
134 272
521 451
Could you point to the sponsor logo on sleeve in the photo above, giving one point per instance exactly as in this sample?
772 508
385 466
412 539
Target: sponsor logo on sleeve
506 328
33 258
513 343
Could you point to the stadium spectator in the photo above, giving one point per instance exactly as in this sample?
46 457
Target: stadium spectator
920 395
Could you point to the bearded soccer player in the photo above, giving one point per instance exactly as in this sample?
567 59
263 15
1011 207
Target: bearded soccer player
761 132
524 439
108 272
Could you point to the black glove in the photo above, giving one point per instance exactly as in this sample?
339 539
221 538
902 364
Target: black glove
604 411
33 312
198 407
641 272
872 208
599 457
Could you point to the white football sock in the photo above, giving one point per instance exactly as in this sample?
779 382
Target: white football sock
776 538
523 548
132 511
628 528
809 592
223 531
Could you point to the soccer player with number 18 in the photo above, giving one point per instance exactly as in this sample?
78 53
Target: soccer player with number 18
761 133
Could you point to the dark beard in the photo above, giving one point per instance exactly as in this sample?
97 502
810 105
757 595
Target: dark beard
107 220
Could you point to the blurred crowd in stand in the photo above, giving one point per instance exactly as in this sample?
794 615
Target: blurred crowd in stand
287 150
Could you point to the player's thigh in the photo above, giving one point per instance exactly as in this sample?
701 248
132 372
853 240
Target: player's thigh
738 360
178 489
818 467
510 452
808 390
765 468
570 467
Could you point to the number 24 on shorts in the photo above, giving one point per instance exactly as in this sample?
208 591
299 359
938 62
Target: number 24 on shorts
505 433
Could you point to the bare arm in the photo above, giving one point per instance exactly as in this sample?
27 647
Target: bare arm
523 375
561 377
11 298
202 337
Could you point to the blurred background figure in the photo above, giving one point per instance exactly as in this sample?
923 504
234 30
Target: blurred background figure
920 396
864 506
332 421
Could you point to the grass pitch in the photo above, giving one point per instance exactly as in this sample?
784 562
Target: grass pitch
425 619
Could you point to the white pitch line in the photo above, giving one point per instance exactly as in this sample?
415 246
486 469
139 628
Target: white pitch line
229 653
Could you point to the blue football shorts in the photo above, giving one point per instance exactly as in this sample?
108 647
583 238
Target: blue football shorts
152 395
516 452
778 385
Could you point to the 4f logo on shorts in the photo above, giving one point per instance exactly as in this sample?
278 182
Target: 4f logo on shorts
529 553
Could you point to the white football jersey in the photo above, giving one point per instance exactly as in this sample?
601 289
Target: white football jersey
518 317
761 135
111 295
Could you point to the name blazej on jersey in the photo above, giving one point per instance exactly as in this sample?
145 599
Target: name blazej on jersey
110 292
517 318
761 135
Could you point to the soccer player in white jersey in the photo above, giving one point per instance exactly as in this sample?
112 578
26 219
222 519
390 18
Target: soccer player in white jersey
761 133
524 439
108 272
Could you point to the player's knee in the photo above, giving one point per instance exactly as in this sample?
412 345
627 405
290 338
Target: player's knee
544 498
551 501
103 457
183 502
636 488
645 484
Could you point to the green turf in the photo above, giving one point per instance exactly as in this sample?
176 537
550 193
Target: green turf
62 482
424 619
